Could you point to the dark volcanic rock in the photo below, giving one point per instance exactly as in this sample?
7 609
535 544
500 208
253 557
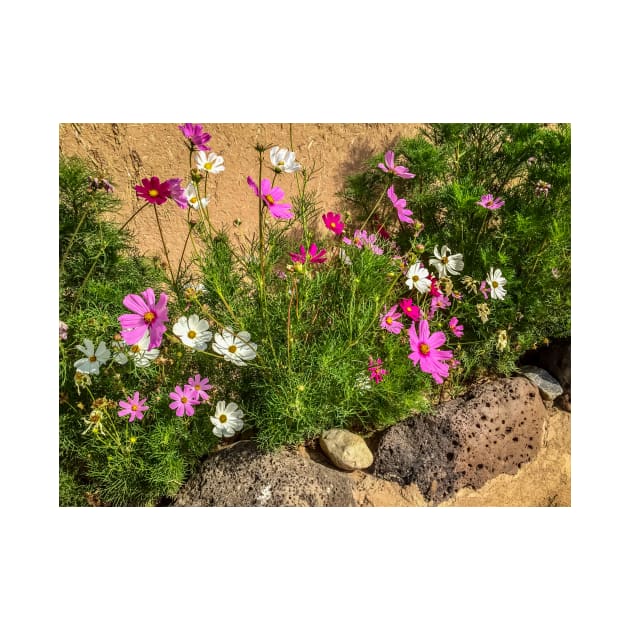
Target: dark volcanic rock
243 476
494 429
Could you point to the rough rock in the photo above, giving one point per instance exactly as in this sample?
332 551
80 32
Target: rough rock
549 387
494 429
556 359
243 476
346 450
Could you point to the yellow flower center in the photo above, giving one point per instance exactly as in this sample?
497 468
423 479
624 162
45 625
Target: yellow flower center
192 334
93 358
281 163
388 320
424 349
193 200
445 260
232 349
495 284
149 317
270 200
208 165
135 348
198 387
184 399
134 407
153 193
408 309
415 278
222 418
333 224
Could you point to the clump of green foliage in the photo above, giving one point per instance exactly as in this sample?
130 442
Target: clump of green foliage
528 166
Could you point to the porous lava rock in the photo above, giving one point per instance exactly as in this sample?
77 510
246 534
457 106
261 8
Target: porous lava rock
243 476
495 428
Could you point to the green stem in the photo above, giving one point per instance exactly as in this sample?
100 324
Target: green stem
168 261
376 205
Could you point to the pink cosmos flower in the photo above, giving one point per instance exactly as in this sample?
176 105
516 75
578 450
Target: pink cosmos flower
196 135
63 330
271 197
388 167
488 201
333 222
400 204
376 371
434 291
485 290
425 350
177 193
200 386
154 191
456 329
390 321
410 309
183 400
440 302
133 407
148 316
313 256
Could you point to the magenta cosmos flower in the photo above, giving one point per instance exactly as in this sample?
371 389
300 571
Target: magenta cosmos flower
425 350
201 386
388 167
404 213
271 197
196 135
456 328
312 256
148 316
154 191
410 309
489 202
183 400
333 222
376 371
177 193
133 407
390 321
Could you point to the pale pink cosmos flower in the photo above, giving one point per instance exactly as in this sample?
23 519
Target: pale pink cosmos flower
184 400
312 256
196 135
456 328
438 302
177 193
333 222
404 213
390 320
133 407
388 167
425 350
410 309
272 197
148 316
63 330
201 386
376 371
489 202
362 239
485 290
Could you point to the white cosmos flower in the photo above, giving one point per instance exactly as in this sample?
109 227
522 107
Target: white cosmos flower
93 359
234 348
140 354
209 162
446 263
284 160
193 331
496 281
191 195
227 419
418 278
